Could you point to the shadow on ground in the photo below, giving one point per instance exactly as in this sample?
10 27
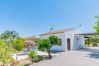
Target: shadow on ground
93 53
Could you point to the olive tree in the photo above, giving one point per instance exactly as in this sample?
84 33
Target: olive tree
46 44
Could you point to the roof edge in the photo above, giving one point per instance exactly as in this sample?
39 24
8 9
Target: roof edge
57 31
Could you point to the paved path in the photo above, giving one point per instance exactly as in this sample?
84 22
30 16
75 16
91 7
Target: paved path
73 58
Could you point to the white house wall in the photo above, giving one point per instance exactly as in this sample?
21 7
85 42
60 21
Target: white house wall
57 48
71 35
81 42
64 36
78 42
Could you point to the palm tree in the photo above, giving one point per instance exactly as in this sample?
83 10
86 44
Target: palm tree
4 37
9 36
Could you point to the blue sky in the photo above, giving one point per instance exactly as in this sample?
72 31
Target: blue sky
33 17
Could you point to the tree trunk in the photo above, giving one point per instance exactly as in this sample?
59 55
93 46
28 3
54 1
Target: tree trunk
49 54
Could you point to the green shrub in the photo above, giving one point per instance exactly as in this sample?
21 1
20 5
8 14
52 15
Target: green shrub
40 58
18 44
18 47
21 65
33 55
5 54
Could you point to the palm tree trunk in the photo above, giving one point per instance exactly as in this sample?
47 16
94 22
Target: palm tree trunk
11 42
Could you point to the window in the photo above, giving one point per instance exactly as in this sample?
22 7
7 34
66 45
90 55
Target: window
60 42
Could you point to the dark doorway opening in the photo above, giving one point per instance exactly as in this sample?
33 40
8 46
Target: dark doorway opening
68 44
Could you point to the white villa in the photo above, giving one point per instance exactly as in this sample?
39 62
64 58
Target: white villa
71 39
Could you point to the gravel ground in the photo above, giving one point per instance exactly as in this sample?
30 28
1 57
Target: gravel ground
74 58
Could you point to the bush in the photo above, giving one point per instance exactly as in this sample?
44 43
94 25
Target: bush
33 55
18 47
18 44
40 58
21 65
5 54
